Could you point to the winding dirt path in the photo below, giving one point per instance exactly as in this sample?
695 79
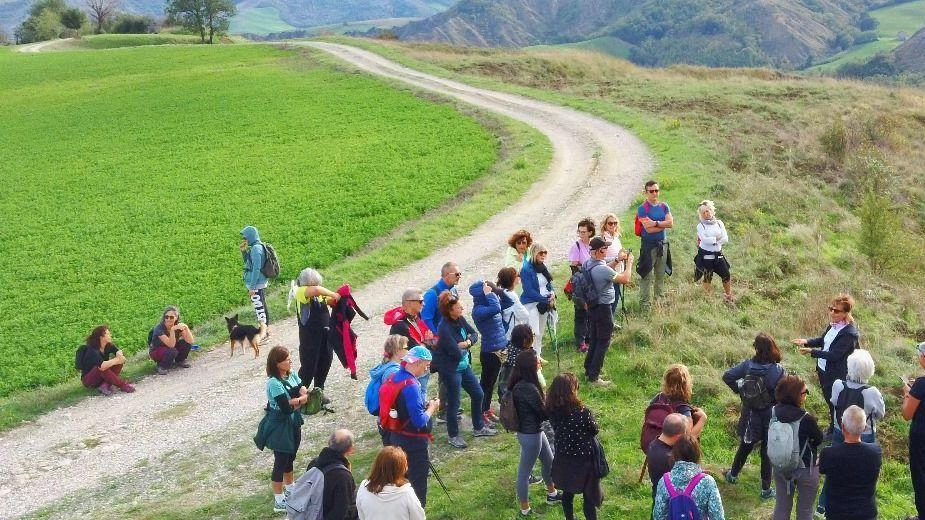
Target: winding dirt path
67 453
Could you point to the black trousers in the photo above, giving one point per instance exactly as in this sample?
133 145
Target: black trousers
315 356
491 366
600 321
418 461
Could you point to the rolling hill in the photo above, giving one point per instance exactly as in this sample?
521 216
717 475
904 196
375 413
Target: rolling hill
780 33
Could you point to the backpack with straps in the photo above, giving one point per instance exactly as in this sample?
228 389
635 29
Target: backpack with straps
305 501
637 224
508 412
754 390
584 290
653 420
79 357
270 267
681 506
784 445
846 398
389 393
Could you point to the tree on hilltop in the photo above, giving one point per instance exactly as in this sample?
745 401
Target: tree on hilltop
101 11
73 18
43 23
207 17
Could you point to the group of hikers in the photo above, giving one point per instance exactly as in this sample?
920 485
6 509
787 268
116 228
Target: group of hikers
429 333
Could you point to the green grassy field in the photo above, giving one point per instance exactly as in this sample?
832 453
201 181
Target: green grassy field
906 17
112 41
258 20
128 179
607 44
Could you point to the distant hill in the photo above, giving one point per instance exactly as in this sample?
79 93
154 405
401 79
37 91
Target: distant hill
910 56
781 33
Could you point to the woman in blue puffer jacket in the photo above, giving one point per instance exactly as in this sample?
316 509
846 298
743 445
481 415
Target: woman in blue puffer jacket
486 314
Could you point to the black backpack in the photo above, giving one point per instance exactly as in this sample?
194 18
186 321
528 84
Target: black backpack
754 390
79 357
270 267
584 291
846 398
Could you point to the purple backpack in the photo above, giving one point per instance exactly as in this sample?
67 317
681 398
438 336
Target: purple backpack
681 506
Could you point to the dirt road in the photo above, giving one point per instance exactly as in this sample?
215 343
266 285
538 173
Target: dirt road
137 447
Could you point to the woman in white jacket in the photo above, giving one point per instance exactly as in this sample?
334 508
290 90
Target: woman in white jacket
386 494
711 235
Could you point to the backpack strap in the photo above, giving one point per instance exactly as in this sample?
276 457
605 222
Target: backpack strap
672 492
689 490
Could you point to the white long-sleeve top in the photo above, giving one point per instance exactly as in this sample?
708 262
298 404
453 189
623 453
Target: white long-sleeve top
393 503
712 234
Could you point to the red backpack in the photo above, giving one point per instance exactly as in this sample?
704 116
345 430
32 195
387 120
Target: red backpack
389 393
653 421
637 224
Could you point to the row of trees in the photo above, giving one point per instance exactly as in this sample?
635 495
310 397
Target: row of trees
50 19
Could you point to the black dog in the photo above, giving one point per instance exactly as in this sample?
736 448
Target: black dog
237 333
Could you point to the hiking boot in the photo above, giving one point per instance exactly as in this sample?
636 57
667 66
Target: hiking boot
457 442
766 494
441 417
601 382
555 498
490 415
279 506
182 364
325 400
534 479
127 388
161 371
526 512
485 432
730 478
105 389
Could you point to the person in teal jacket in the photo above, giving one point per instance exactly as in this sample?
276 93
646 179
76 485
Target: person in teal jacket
253 254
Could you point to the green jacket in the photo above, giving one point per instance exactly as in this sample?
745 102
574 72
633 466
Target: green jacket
276 430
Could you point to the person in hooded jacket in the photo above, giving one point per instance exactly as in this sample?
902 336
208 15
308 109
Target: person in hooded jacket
791 394
513 312
486 314
386 494
833 348
254 254
453 361
394 349
754 422
338 501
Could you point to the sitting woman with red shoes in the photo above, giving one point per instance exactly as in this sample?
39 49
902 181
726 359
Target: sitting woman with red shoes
101 362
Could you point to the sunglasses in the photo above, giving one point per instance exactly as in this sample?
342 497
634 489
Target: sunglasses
652 191
419 301
834 309
805 391
610 223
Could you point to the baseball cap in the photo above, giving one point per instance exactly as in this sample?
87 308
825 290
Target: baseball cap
416 354
598 243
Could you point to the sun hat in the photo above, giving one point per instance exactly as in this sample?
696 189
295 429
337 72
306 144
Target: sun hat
416 354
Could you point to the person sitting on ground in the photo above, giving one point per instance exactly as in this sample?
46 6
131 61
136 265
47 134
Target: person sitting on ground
791 395
658 455
102 362
394 349
314 319
386 494
486 314
281 428
755 416
685 458
170 341
538 294
340 491
519 242
677 391
851 470
711 236
453 361
573 465
528 401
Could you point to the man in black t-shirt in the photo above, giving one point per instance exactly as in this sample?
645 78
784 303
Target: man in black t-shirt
673 428
851 471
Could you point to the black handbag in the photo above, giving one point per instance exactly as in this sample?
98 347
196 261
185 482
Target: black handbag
601 466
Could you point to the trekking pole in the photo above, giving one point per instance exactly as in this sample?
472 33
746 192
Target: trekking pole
433 470
555 346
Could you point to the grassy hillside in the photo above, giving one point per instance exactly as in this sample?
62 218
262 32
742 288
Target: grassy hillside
145 165
905 18
258 20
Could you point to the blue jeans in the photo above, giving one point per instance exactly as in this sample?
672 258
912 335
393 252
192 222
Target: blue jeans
455 383
839 438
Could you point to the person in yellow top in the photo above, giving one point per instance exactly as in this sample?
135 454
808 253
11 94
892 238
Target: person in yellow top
312 302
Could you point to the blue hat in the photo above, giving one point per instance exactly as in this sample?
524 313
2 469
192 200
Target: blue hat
416 354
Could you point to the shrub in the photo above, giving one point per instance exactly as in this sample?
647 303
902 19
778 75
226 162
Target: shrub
879 237
133 24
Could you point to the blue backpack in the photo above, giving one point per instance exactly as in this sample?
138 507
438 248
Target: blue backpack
681 506
371 399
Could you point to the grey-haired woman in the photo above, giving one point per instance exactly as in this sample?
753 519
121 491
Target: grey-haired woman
314 317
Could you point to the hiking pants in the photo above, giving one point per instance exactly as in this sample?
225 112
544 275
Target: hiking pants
568 507
532 446
601 325
165 357
658 261
455 383
917 467
491 366
806 482
315 356
259 301
418 461
96 377
745 448
537 321
582 327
